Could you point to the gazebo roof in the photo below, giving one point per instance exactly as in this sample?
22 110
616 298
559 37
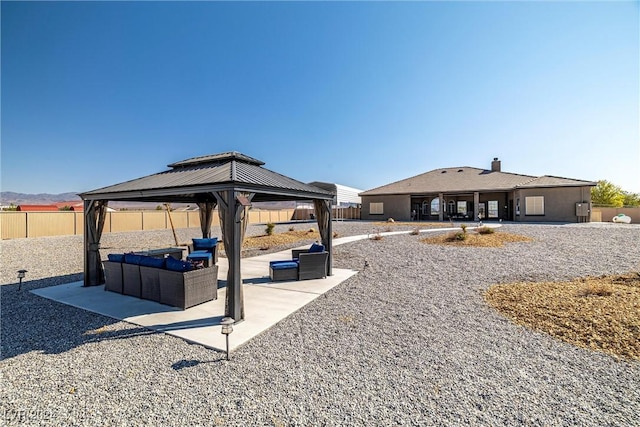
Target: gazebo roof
194 179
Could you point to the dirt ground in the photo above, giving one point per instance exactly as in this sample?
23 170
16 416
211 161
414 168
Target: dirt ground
597 313
494 240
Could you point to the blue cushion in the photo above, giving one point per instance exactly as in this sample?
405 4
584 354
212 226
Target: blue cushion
149 261
178 265
316 248
132 259
200 255
116 257
199 244
283 265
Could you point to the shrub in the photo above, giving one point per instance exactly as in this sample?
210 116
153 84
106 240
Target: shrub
335 234
376 236
391 220
486 230
415 232
292 228
459 236
269 229
464 228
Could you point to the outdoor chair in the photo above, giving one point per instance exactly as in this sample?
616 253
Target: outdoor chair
201 246
305 264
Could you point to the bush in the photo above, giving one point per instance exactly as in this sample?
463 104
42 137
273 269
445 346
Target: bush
335 234
292 228
464 228
459 236
486 230
269 229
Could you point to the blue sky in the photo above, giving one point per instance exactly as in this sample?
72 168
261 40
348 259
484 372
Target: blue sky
360 93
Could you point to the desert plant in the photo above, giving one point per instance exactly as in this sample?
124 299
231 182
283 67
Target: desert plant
292 228
486 230
376 236
391 220
311 230
269 229
464 228
335 234
415 232
459 236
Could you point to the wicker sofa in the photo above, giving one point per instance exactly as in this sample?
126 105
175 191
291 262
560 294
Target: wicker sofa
305 264
181 289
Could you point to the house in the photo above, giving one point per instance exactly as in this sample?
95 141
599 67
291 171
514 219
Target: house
342 195
467 193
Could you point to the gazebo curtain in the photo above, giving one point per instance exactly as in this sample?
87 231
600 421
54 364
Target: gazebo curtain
323 215
206 215
95 213
234 218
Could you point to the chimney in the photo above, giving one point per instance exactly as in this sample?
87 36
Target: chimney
495 165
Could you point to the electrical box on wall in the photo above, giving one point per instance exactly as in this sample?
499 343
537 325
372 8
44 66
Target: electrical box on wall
582 209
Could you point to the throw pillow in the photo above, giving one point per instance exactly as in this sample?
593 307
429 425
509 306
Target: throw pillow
149 261
316 248
204 244
132 259
116 257
178 265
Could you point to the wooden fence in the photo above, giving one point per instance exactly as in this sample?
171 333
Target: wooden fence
16 225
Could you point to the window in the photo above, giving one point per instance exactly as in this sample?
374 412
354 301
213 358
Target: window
493 209
425 208
462 207
451 207
376 208
534 205
435 206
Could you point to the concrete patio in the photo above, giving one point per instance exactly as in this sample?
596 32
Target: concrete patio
265 303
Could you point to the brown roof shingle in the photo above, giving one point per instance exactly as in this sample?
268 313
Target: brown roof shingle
468 179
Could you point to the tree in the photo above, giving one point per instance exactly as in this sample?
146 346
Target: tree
631 199
606 193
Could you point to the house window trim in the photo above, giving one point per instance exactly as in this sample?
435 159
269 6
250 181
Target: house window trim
534 206
376 208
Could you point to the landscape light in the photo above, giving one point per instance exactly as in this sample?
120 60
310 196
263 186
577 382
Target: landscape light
21 274
227 328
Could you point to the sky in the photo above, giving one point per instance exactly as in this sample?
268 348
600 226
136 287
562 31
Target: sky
356 93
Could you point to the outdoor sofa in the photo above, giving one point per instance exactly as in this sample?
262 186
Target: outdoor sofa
165 280
304 264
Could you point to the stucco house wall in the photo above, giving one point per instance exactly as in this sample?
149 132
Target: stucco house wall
559 203
397 207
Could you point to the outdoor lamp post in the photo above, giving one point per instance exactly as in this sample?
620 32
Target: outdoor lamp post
227 328
21 274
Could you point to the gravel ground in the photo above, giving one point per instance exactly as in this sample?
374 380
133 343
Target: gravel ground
408 340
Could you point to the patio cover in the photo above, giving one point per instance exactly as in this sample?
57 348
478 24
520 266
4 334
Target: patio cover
230 181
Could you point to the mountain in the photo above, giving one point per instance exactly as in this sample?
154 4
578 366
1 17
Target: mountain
8 197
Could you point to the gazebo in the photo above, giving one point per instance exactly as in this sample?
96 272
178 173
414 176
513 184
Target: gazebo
231 181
